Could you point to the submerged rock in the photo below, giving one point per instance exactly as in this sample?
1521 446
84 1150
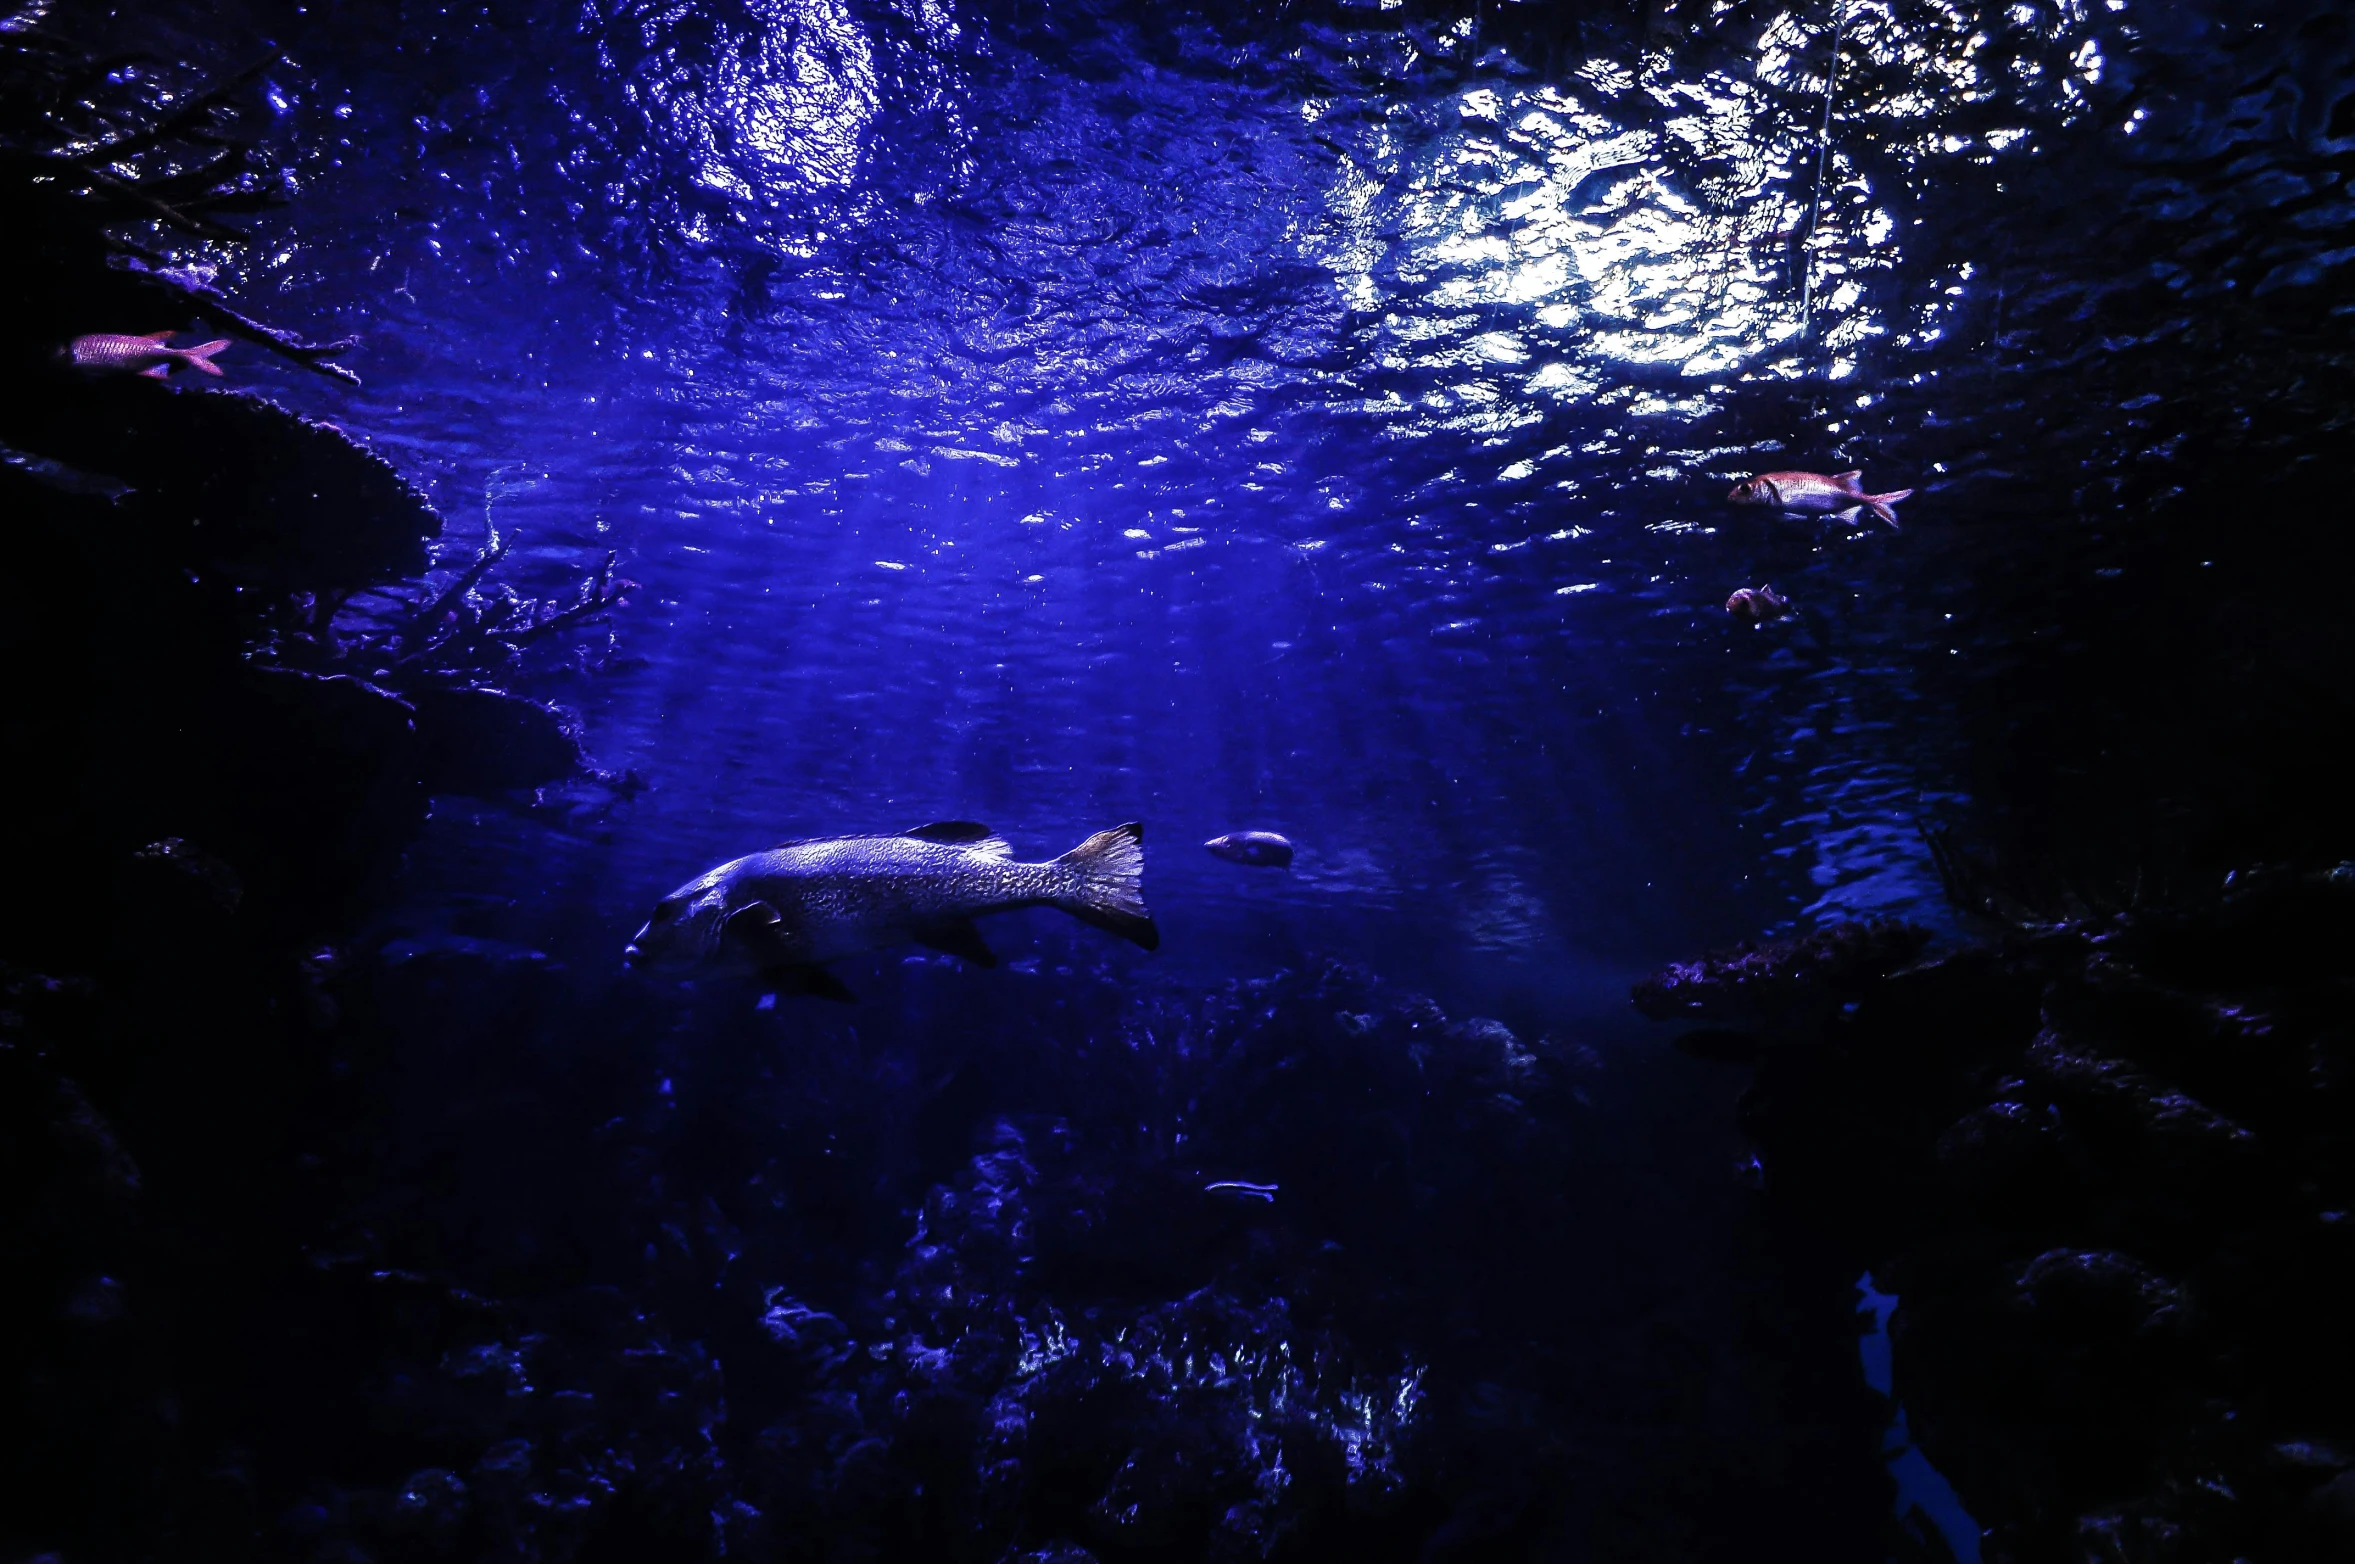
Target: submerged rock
483 741
229 481
1803 971
209 877
2105 1166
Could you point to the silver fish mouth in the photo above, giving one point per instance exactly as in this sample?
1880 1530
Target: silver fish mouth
631 955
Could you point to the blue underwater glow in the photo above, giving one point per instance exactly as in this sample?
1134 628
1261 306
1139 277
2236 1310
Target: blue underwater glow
1320 420
1048 448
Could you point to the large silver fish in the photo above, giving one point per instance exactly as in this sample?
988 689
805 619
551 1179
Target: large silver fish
786 912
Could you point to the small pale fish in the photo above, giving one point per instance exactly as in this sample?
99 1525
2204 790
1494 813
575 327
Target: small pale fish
1258 849
1757 605
785 913
1237 1189
1815 494
106 353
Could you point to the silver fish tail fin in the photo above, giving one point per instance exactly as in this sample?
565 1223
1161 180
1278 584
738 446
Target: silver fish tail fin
1109 871
201 356
1880 504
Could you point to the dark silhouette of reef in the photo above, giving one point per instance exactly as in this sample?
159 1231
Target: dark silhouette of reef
2107 1165
213 773
218 624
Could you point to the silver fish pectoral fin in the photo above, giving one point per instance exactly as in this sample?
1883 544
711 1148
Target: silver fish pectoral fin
758 927
960 939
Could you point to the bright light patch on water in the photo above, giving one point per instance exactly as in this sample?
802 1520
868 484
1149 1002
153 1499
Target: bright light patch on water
1668 246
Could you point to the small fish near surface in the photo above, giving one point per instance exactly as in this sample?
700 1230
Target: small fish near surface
786 912
1257 849
1757 605
106 353
1839 494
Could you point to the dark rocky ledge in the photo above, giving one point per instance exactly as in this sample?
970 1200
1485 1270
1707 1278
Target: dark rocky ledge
226 624
215 766
2108 1166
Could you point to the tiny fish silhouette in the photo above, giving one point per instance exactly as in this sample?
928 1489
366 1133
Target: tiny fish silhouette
1757 605
107 353
1258 849
1813 494
1237 1189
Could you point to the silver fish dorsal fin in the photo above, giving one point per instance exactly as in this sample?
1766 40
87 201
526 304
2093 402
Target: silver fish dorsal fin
1851 481
971 835
965 834
954 833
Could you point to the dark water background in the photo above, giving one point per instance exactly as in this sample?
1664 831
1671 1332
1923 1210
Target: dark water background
1316 418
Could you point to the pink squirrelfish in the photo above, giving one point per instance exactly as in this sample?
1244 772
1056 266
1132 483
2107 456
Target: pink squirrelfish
1814 494
107 353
